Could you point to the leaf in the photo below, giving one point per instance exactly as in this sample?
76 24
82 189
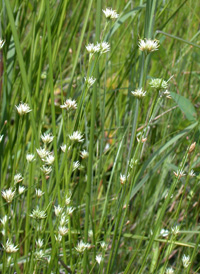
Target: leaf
185 105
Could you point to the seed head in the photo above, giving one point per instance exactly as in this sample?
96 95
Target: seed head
81 246
70 210
39 243
110 14
90 81
8 195
186 261
18 178
58 210
39 192
76 165
21 189
63 230
46 170
84 154
91 48
99 258
169 270
47 138
9 247
148 45
76 137
158 83
69 104
63 148
179 174
139 93
23 109
49 159
38 214
104 47
30 157
42 152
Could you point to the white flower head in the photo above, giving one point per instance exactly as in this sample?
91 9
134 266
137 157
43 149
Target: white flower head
186 261
39 243
9 247
91 48
158 83
63 148
192 174
179 174
139 93
58 238
23 109
104 245
104 47
68 199
18 178
148 45
8 195
81 246
47 138
69 104
2 42
46 170
1 138
123 178
169 270
164 232
99 258
42 152
90 81
175 230
39 255
70 210
63 230
76 165
110 14
49 159
39 192
58 210
4 220
84 154
30 157
64 219
76 136
38 214
21 189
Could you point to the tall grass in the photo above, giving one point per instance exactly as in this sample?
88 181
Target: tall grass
118 191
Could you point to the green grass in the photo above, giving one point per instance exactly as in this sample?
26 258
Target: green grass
45 62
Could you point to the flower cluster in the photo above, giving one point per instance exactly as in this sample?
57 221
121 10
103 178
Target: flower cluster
148 45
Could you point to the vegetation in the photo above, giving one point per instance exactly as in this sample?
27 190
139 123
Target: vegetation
99 162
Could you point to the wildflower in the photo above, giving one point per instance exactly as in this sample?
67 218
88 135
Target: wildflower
43 75
169 270
123 178
39 192
18 178
49 159
81 246
63 230
47 138
99 258
4 220
46 170
76 136
90 233
68 199
9 247
164 232
139 93
104 245
30 157
63 148
148 45
175 230
21 189
8 195
91 48
64 219
192 174
2 42
69 104
166 93
84 154
70 210
42 152
39 255
179 174
90 81
104 47
58 238
58 210
75 165
1 138
38 214
158 83
23 109
110 14
186 261
39 243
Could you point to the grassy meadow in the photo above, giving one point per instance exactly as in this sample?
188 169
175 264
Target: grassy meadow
99 136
